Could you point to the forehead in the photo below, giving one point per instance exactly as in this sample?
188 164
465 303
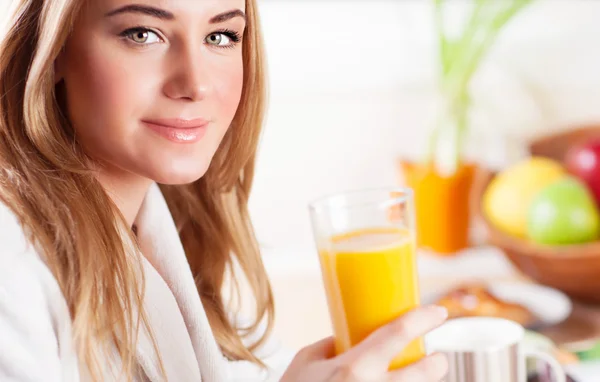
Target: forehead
194 9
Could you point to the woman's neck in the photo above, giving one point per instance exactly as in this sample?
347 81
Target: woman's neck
126 190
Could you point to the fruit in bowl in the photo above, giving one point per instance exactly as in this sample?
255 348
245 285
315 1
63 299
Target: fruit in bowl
537 199
563 213
574 268
509 195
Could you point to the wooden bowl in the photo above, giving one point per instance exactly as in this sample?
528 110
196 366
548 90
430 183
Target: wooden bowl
573 269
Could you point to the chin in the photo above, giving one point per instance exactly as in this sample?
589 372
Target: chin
181 174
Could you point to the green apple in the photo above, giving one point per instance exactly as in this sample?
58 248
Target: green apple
563 213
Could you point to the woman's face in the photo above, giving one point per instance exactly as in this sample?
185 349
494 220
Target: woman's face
153 85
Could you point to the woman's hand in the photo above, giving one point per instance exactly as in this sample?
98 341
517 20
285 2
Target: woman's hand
369 360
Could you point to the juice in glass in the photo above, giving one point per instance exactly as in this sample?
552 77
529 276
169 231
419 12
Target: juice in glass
369 274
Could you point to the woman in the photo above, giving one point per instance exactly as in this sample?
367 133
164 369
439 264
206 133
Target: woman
108 276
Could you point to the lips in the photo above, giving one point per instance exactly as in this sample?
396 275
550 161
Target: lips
179 130
179 123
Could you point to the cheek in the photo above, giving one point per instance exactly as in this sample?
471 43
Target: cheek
229 89
102 91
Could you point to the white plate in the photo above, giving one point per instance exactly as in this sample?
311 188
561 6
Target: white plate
550 305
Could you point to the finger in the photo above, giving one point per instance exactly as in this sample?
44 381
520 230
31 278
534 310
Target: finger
383 345
430 369
322 349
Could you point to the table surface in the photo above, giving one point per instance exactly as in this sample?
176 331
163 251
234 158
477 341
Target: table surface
302 318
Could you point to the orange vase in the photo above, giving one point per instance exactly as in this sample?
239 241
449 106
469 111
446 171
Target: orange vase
442 206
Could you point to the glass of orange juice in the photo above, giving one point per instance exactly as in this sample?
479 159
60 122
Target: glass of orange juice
367 251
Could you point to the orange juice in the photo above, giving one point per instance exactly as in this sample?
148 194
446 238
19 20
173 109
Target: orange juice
370 279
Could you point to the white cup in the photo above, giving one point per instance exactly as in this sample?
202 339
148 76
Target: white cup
484 349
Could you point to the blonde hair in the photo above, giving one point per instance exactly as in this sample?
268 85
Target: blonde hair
48 182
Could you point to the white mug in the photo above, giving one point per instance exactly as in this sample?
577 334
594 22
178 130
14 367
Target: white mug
485 349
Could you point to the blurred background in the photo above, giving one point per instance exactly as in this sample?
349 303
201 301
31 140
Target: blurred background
355 91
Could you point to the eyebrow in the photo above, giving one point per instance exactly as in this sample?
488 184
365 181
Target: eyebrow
143 9
222 17
166 15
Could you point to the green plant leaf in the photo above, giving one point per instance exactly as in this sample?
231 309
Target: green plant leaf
461 57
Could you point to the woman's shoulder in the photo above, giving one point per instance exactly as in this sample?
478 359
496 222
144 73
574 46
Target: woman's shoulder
33 312
21 267
12 236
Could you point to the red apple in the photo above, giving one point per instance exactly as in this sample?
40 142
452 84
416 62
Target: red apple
583 161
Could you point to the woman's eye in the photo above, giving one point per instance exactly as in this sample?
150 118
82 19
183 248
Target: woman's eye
143 36
218 39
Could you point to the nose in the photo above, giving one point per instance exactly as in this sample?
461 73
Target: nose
189 78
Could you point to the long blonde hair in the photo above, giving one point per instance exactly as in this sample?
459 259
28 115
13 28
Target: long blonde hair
48 182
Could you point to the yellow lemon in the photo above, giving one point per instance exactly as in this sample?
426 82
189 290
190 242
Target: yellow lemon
507 199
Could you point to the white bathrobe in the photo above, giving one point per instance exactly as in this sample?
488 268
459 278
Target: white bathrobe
36 343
